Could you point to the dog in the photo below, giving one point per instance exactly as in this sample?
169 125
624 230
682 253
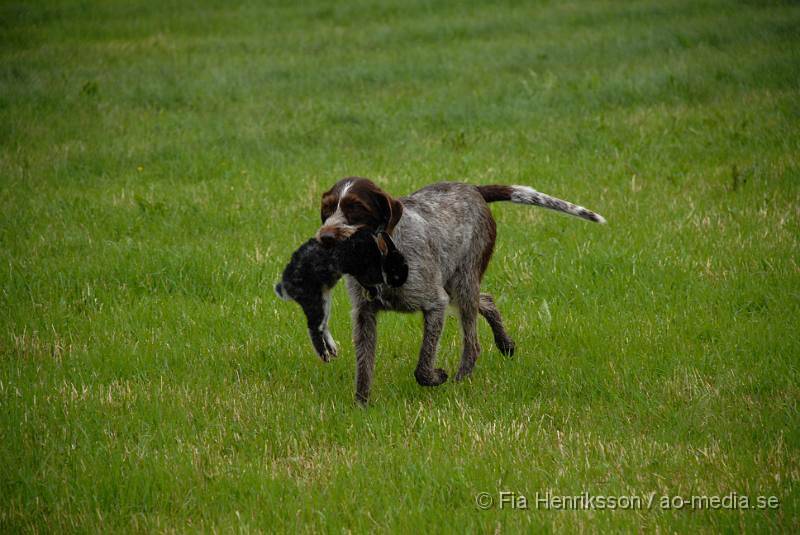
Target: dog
314 270
447 234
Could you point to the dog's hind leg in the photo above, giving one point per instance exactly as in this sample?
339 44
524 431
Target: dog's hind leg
468 310
433 317
489 311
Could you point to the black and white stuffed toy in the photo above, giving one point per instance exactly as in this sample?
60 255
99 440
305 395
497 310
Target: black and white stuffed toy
314 270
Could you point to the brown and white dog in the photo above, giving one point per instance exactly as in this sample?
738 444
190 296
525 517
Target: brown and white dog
447 234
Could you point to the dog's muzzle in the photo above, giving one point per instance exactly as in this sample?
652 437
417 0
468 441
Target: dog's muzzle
330 234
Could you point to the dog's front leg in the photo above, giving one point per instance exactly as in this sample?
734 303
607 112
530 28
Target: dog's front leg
425 373
365 334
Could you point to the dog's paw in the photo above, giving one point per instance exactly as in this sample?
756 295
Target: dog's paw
430 378
462 374
506 346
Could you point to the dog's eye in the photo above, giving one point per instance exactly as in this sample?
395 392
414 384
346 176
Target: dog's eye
356 213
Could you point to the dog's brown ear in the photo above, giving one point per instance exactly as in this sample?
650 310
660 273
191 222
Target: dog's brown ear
397 213
391 210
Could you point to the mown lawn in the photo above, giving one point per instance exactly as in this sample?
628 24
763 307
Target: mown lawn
159 162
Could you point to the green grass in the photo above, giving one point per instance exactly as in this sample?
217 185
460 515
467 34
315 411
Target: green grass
159 162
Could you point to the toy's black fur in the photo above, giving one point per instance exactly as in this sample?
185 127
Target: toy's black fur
314 270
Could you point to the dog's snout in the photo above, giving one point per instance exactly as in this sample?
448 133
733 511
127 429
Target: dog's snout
327 235
328 238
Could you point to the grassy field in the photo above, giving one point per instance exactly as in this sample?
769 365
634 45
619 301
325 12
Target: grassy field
159 161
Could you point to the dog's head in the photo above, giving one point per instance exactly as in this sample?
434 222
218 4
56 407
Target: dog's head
354 203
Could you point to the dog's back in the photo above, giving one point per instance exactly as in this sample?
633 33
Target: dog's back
447 235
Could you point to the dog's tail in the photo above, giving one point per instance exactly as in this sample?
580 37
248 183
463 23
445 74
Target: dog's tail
526 195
